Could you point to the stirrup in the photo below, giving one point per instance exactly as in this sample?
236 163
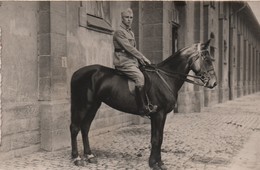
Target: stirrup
152 108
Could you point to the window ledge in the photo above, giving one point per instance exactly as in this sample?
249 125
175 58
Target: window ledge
94 23
98 24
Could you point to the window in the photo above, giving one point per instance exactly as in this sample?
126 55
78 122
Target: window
175 16
174 39
180 3
174 20
213 4
95 15
245 62
225 52
225 10
212 46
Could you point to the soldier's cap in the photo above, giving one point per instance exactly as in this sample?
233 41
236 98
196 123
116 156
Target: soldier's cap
128 11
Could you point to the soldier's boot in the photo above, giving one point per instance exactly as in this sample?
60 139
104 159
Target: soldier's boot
143 107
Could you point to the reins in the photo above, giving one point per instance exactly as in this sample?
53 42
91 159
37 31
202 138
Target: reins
172 74
175 74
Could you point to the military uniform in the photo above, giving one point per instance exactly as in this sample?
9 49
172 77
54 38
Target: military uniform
127 59
126 55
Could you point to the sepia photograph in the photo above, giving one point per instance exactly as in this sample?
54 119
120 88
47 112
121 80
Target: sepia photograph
129 85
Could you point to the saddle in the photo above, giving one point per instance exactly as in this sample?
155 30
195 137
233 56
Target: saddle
131 83
147 86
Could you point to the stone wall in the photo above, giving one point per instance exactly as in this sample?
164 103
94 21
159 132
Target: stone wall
86 47
210 31
43 45
53 92
20 110
187 98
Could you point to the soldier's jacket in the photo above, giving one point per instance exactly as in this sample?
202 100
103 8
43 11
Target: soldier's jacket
124 39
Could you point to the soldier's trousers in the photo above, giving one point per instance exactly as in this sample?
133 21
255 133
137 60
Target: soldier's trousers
134 73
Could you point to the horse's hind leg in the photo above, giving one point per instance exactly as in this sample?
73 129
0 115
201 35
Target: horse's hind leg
85 126
78 110
74 130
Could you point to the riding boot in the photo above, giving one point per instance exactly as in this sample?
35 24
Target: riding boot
143 107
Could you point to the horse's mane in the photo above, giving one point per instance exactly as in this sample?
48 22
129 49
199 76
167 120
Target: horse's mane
177 56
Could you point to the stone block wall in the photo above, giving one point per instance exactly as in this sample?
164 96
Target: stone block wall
53 96
210 31
187 97
87 47
20 110
152 30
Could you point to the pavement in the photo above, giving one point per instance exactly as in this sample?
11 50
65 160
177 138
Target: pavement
249 156
221 137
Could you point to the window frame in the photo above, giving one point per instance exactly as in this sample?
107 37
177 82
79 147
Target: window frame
175 31
95 21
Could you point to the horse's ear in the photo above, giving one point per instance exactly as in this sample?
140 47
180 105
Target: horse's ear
206 44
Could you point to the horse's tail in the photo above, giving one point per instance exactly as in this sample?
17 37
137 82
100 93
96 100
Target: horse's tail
81 88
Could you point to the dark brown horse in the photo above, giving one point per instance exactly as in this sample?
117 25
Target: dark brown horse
92 85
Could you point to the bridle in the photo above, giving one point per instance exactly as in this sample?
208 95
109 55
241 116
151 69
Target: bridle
201 75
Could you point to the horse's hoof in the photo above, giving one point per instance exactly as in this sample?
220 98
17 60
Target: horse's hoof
79 163
91 159
163 167
159 166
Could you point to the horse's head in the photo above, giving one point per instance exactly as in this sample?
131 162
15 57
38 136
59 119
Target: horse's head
201 63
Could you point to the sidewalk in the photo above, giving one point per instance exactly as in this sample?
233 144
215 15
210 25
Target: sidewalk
210 140
249 156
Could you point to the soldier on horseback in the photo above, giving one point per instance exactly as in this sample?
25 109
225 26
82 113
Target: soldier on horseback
127 59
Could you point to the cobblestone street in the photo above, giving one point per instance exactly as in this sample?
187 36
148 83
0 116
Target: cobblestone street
196 141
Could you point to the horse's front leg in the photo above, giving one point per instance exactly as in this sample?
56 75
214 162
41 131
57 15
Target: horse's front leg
157 123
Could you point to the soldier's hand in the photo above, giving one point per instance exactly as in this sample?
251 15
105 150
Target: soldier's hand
147 62
142 62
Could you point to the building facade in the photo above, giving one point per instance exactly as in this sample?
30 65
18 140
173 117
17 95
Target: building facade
43 43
